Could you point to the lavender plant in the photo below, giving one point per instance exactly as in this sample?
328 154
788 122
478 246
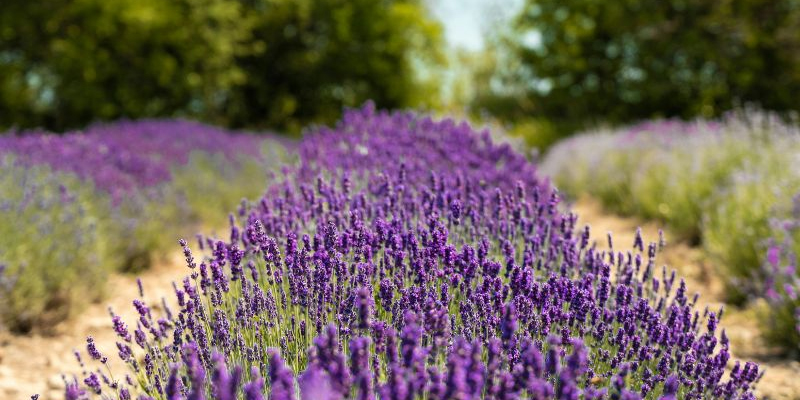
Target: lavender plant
126 156
134 163
210 185
127 186
407 258
730 184
665 170
717 183
783 281
53 253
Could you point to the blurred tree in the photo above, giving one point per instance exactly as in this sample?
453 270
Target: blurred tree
245 63
84 60
314 56
617 61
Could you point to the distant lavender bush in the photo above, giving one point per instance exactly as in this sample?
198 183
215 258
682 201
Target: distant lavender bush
133 180
407 258
726 184
712 182
53 250
125 157
660 169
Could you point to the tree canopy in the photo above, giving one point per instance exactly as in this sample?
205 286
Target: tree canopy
617 61
246 63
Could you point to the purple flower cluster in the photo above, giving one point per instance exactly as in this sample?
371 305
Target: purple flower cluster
407 258
127 156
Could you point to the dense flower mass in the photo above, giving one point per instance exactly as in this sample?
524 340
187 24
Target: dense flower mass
407 258
126 156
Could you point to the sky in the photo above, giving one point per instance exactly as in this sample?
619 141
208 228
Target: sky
466 22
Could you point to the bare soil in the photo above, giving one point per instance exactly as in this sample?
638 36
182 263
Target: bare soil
38 363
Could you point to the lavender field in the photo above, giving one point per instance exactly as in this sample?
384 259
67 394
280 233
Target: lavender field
391 256
399 200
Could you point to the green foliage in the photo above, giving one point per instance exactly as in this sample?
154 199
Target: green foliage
677 183
148 221
783 319
783 330
582 166
538 133
274 63
83 60
312 57
54 244
201 192
618 61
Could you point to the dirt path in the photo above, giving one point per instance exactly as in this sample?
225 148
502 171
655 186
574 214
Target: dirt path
782 378
35 364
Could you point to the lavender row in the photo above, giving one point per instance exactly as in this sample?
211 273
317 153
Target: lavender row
407 258
127 156
53 250
77 206
727 185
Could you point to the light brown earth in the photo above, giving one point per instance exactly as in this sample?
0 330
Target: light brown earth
35 364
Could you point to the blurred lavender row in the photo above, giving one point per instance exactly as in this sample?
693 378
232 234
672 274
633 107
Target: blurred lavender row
727 185
77 205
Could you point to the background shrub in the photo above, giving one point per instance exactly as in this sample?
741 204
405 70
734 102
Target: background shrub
783 280
715 183
111 199
210 185
57 245
262 63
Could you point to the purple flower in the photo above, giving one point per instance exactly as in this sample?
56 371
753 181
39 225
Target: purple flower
93 382
75 392
773 256
280 378
671 385
92 350
254 390
365 304
121 328
315 384
174 389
